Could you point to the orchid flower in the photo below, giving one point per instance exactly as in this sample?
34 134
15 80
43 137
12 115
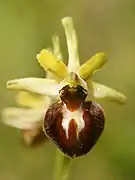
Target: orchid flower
28 118
66 104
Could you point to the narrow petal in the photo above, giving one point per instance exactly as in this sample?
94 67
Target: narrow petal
35 85
92 65
51 64
56 52
32 100
56 47
103 92
72 44
23 118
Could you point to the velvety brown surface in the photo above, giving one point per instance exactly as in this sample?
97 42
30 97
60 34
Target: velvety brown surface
74 146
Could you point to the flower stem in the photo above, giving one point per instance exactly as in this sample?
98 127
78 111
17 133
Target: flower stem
62 166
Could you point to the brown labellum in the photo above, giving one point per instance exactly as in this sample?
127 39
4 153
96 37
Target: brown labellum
76 131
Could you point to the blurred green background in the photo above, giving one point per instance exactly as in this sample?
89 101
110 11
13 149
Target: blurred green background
26 26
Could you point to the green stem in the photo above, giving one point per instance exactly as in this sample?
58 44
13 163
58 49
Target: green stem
62 166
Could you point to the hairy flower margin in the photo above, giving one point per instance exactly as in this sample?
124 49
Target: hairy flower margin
59 97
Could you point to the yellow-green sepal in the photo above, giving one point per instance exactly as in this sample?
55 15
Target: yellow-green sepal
92 65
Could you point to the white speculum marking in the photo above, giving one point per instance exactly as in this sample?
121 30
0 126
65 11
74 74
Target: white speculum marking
68 116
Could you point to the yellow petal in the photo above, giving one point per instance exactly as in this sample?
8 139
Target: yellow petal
51 64
103 92
35 85
92 65
32 100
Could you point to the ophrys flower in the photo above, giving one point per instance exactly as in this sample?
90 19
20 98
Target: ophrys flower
74 122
